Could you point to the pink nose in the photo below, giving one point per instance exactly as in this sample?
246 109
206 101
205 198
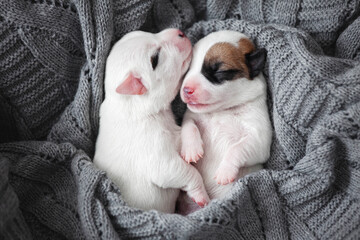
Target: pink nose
181 34
176 37
188 90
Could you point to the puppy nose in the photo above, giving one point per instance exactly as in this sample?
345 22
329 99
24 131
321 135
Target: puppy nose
188 91
181 34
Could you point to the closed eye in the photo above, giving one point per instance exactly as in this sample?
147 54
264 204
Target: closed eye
223 75
155 59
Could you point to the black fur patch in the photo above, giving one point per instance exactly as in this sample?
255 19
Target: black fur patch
256 61
216 75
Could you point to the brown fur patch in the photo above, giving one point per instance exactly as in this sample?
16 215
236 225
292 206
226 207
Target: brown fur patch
231 57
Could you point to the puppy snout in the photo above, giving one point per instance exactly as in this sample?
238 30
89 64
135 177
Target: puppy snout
188 91
181 34
177 38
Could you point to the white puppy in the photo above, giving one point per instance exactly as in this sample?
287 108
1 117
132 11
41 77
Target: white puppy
139 143
227 122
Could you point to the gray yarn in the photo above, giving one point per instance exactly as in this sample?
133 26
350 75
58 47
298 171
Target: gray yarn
52 58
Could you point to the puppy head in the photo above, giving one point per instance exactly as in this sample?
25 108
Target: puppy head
223 73
145 69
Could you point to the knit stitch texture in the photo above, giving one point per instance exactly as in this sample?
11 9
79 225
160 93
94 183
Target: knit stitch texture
52 61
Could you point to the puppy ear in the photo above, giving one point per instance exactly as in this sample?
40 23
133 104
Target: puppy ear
256 61
132 85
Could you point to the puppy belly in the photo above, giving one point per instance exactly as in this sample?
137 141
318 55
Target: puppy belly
136 189
139 193
152 197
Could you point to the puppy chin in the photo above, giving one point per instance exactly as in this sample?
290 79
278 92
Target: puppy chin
202 107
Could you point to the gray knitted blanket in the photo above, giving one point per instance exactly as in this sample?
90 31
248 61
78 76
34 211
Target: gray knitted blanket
52 58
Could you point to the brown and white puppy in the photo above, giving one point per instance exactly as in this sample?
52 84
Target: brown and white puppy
227 122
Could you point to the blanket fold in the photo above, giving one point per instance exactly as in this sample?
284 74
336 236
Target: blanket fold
52 61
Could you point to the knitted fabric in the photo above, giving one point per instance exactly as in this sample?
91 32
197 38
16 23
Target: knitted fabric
52 59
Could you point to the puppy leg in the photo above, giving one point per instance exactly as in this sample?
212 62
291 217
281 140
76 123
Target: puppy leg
178 174
191 142
226 173
244 153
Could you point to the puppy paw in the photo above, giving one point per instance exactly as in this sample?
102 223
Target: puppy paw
226 173
200 197
192 151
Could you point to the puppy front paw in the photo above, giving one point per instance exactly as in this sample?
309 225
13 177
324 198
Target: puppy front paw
226 173
200 197
192 151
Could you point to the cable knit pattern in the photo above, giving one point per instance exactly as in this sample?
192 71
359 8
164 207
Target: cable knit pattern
52 58
348 43
41 57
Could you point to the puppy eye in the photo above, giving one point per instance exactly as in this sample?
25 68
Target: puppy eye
226 74
155 59
215 67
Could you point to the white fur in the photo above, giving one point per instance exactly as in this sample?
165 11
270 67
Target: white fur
138 143
228 124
